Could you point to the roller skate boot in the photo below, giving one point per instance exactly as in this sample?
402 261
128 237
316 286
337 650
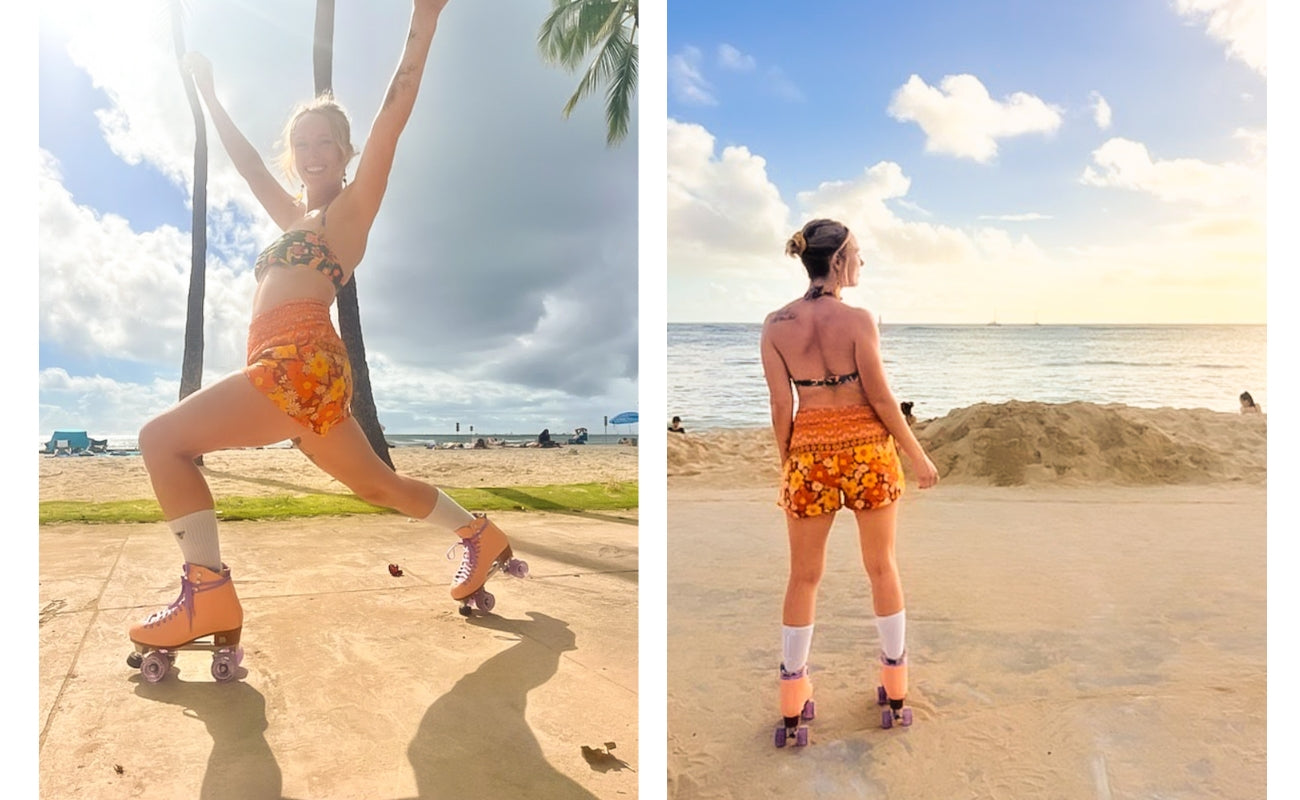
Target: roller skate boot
206 616
893 691
796 705
485 551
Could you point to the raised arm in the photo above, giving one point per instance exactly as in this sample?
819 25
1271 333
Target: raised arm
871 371
367 189
780 393
268 191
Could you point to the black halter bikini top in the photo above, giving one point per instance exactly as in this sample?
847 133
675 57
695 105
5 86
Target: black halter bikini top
829 380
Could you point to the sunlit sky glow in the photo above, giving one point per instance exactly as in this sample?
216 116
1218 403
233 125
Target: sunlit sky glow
1020 162
499 287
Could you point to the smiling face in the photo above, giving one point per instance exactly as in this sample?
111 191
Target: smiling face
318 157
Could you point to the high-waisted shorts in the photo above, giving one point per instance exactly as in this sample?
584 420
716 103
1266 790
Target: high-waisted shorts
296 358
839 458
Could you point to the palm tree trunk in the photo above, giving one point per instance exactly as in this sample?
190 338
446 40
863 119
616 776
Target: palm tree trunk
363 401
192 359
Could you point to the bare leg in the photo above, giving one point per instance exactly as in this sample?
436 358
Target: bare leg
345 453
229 413
876 531
807 562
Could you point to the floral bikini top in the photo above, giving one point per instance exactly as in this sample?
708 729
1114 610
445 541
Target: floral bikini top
300 247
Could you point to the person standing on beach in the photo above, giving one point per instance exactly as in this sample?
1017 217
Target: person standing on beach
838 450
298 382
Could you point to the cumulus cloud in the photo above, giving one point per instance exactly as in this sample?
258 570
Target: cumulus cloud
1126 164
686 79
1240 24
961 119
489 230
720 203
1101 113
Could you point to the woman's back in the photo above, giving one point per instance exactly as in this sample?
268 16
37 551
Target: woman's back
817 340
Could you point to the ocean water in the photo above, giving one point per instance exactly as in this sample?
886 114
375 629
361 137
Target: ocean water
715 375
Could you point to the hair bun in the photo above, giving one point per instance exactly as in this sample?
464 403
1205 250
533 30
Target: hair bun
796 245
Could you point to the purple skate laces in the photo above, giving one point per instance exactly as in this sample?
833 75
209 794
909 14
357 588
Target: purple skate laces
469 558
185 599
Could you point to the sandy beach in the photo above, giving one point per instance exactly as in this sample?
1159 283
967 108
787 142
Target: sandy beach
355 683
1086 615
284 470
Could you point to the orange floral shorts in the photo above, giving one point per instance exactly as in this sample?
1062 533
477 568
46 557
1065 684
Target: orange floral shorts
839 458
296 359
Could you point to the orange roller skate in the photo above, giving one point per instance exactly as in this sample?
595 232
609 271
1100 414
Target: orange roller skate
485 550
893 691
206 616
796 705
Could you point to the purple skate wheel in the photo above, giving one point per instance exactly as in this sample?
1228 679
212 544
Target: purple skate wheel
517 568
801 736
906 717
809 710
781 733
886 719
239 655
154 667
134 660
484 600
881 697
223 666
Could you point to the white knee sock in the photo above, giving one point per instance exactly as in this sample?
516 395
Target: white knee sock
893 633
795 643
197 535
447 513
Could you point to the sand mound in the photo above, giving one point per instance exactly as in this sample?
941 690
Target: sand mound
1019 443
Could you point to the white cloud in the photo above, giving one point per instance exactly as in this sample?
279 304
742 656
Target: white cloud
1207 266
1241 24
1030 216
1126 164
1101 113
729 58
542 209
686 79
961 119
720 206
107 291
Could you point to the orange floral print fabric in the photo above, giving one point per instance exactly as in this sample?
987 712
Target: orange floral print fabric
298 361
839 458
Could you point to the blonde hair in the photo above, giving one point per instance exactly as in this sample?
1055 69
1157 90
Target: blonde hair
335 117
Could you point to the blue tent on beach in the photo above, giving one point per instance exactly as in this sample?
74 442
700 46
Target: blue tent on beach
71 442
68 442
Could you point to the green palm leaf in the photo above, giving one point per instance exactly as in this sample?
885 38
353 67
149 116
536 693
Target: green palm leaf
572 30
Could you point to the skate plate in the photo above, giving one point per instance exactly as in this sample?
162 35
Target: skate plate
155 662
481 598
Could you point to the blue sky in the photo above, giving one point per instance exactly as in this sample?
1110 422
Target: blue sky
1025 161
500 286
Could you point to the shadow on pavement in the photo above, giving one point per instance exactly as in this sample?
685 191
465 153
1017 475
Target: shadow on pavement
475 741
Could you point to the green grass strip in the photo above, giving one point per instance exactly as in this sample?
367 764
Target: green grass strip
564 498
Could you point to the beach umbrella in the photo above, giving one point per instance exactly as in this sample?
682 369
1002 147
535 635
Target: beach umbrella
626 418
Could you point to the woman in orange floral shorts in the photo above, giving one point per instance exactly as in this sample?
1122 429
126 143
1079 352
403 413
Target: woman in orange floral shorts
839 450
298 382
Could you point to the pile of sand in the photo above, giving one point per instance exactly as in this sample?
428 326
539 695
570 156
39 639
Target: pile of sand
1019 443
